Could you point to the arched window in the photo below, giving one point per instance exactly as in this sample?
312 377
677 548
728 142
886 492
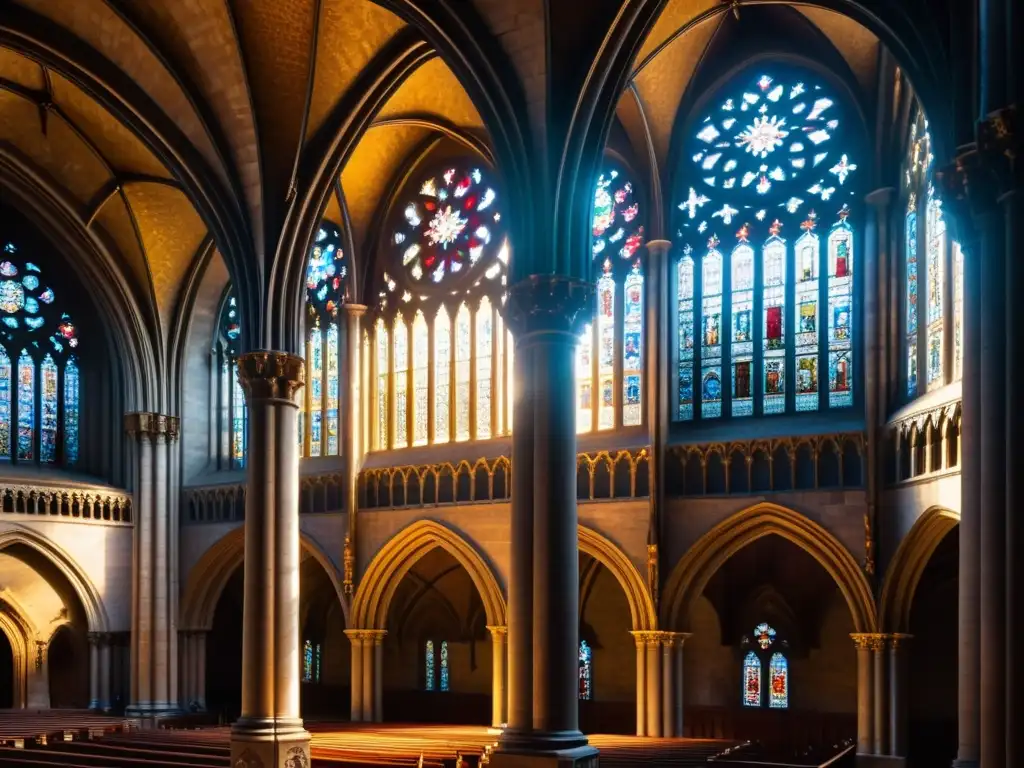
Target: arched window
319 399
616 376
443 290
765 654
436 676
586 692
767 155
311 662
39 374
934 339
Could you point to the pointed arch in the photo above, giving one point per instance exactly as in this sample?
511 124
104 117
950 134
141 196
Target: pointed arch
208 577
85 590
400 553
641 606
908 565
714 548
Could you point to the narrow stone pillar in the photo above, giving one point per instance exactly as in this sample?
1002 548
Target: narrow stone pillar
865 695
654 684
668 692
94 670
544 313
355 637
368 678
269 732
897 695
679 697
106 671
641 683
154 666
378 676
185 664
878 659
352 447
199 654
499 696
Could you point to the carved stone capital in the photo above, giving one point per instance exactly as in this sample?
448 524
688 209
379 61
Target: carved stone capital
499 630
145 423
368 636
871 641
999 143
354 310
658 248
269 375
548 304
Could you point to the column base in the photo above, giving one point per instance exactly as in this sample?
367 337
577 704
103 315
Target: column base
577 757
263 743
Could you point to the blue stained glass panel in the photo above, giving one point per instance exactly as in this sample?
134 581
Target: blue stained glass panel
444 665
751 680
586 683
5 404
71 403
778 678
429 665
26 406
48 425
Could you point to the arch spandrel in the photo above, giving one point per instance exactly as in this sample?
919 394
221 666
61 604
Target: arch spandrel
691 575
908 565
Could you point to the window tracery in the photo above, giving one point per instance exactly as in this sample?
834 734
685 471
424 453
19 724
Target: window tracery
760 163
610 352
765 654
436 672
586 680
443 290
39 373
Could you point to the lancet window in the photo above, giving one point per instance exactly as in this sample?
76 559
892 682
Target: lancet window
586 679
40 379
440 356
435 666
610 354
765 281
933 332
765 670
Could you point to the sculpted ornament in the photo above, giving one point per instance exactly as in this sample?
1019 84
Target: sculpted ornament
248 760
271 375
549 303
296 758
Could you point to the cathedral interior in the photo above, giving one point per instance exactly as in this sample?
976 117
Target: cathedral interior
554 369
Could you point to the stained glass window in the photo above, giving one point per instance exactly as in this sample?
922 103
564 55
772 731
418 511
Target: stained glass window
771 150
586 692
444 681
935 236
764 635
751 680
231 406
618 235
778 675
483 352
442 376
383 376
401 415
449 261
239 419
686 332
420 378
315 388
428 664
45 377
307 662
910 249
958 311
332 374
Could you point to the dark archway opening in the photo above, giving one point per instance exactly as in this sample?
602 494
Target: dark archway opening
326 657
776 582
224 653
605 623
437 653
6 673
67 659
933 659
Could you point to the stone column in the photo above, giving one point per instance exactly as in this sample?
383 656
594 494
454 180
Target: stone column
865 695
672 683
878 657
641 683
37 688
355 637
269 732
654 684
378 675
499 696
94 670
352 447
154 666
544 314
106 671
897 695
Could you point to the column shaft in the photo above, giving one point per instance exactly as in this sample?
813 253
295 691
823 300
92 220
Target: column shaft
865 696
270 727
878 653
162 666
654 685
369 704
356 676
105 673
897 696
679 702
499 697
378 679
668 692
94 671
641 684
200 648
142 616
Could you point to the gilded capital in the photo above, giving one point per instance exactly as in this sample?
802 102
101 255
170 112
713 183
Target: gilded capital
549 303
497 630
269 375
869 641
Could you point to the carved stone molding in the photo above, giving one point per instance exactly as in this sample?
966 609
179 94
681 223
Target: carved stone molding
497 630
370 636
145 423
548 303
872 641
268 375
350 568
354 310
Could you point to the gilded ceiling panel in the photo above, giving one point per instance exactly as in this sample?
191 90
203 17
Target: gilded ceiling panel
663 82
277 47
171 233
434 89
350 33
60 153
370 169
116 222
676 14
21 70
95 23
116 143
856 43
